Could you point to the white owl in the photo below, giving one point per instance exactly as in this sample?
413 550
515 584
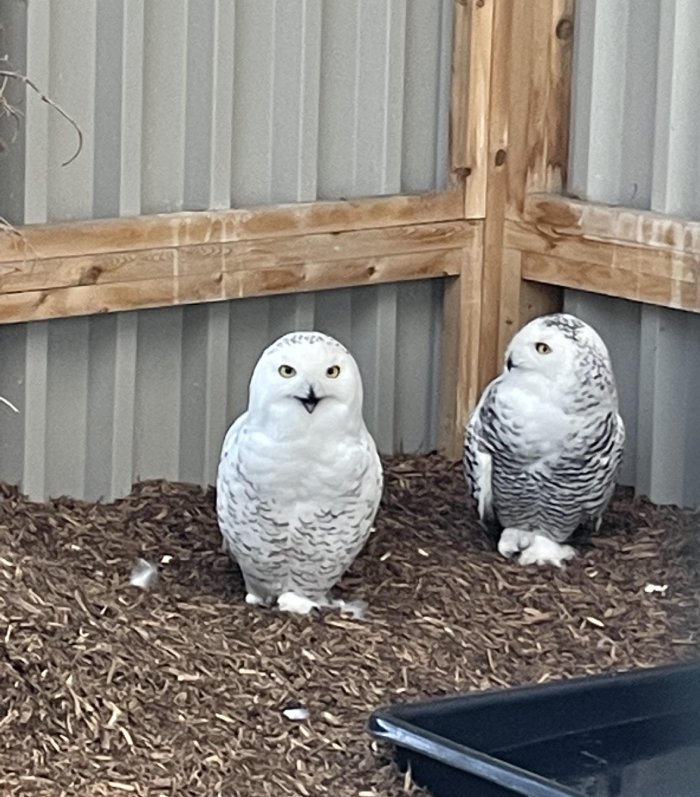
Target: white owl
544 444
299 478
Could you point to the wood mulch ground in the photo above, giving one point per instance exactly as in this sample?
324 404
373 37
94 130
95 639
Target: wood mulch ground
108 689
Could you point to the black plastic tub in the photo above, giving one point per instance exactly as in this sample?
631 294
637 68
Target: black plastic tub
631 735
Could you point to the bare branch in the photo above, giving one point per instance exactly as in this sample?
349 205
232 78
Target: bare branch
10 229
7 74
9 110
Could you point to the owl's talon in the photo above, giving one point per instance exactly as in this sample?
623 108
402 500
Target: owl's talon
253 600
296 604
513 541
543 551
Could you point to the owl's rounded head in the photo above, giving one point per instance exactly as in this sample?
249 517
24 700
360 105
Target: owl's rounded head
560 348
306 377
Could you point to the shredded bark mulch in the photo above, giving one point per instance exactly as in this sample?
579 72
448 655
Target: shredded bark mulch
181 689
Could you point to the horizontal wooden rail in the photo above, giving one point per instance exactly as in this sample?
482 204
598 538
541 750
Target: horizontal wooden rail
74 239
621 252
185 273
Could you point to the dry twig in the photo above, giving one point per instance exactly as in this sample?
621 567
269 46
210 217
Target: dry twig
8 110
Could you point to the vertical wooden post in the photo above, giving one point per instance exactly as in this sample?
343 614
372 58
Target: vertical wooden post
509 128
471 67
460 354
528 150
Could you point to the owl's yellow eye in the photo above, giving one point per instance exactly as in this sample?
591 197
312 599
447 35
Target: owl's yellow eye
287 371
333 372
542 348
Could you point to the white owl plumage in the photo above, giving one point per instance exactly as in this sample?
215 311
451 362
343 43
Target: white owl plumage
544 444
299 479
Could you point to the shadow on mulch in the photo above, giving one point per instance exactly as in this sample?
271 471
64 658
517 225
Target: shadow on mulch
109 689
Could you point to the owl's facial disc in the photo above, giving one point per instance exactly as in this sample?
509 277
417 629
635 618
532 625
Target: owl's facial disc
310 400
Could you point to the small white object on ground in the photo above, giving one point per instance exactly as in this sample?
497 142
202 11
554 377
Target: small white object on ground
355 609
296 604
533 548
143 574
297 714
166 559
656 588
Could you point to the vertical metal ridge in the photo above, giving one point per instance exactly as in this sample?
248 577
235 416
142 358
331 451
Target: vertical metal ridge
164 105
223 59
158 394
131 103
121 452
72 86
676 172
635 142
108 109
252 103
35 404
13 381
13 47
36 120
216 392
195 104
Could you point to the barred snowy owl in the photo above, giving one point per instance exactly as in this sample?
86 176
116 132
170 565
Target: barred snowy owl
544 444
299 478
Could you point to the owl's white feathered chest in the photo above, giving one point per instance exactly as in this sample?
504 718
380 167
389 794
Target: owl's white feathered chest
536 423
295 512
298 469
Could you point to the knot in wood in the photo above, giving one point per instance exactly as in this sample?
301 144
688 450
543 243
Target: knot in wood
565 29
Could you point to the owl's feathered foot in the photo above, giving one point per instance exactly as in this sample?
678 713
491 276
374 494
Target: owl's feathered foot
532 548
255 600
297 604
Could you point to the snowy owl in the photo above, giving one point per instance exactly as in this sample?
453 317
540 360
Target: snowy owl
299 478
544 444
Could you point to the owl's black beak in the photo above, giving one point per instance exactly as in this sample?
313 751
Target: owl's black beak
310 400
510 364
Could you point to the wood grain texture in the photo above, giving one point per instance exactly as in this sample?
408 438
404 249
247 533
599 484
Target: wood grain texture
480 18
459 97
560 215
460 340
629 254
528 141
75 239
108 282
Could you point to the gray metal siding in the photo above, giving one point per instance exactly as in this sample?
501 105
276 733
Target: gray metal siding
636 142
106 400
195 104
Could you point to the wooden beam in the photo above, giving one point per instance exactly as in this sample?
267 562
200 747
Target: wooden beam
77 239
146 264
629 254
496 190
561 216
459 97
528 138
477 17
166 276
460 341
539 98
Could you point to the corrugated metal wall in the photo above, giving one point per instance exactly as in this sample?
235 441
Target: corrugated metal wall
149 394
193 104
636 142
196 104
